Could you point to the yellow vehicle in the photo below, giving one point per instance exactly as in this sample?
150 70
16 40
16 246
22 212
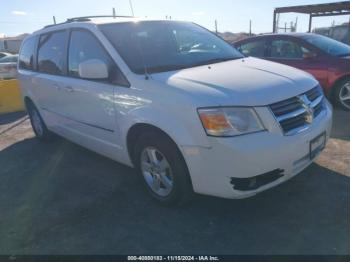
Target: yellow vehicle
10 96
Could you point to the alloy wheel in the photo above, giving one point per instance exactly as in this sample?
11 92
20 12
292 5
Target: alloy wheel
344 95
156 171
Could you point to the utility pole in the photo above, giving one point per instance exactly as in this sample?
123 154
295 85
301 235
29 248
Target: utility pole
131 7
250 27
54 19
310 23
216 26
278 21
114 14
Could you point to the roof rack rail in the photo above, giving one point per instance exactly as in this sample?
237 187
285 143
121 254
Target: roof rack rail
88 18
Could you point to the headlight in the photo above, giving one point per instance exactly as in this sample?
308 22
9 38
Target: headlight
230 121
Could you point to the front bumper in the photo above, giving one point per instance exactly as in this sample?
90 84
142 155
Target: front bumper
213 170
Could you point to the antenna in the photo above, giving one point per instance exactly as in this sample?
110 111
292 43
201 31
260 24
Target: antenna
114 13
54 19
131 7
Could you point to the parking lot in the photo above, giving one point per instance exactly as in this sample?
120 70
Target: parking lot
59 198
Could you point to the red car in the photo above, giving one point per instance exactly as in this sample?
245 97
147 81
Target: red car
326 59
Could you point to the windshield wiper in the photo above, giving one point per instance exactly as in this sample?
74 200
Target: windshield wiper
164 68
216 60
345 54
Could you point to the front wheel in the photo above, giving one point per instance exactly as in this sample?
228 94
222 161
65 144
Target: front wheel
163 169
342 94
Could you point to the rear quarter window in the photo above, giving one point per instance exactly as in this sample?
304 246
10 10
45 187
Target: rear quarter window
26 57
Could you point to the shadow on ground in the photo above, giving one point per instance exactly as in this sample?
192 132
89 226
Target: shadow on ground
59 198
341 125
11 117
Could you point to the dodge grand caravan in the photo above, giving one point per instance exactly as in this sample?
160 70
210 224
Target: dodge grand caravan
174 101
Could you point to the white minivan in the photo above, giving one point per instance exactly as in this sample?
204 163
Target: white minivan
176 102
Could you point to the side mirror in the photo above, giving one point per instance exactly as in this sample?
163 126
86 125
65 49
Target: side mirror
309 55
93 69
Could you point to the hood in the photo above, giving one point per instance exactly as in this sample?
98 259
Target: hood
242 82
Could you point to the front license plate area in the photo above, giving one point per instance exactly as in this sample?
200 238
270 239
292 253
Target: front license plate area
317 145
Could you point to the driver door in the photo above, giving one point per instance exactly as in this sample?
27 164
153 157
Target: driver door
89 107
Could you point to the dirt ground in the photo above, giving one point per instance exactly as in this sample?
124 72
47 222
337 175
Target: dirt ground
59 198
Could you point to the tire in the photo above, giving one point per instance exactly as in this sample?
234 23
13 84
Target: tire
38 124
341 91
175 187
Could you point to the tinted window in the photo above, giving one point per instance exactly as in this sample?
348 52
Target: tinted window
256 48
26 57
287 49
84 46
160 46
329 45
51 52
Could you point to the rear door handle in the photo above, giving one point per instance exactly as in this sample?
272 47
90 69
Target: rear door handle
57 86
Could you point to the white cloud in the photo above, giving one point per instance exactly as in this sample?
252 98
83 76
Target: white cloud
198 13
19 13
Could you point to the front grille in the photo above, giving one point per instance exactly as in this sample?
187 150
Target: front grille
286 106
313 93
318 109
297 113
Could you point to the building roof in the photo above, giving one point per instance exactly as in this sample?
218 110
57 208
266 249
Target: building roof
336 8
19 37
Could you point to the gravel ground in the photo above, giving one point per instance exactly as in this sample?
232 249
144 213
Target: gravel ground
59 198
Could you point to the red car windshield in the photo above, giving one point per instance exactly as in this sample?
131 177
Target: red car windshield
331 46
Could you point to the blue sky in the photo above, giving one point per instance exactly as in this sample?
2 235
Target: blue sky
26 16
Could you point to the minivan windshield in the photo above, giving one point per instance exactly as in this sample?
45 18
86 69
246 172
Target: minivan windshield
330 46
159 46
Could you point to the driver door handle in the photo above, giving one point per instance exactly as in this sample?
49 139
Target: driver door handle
69 89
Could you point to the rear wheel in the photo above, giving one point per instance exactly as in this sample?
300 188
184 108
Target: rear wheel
38 125
342 94
162 169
